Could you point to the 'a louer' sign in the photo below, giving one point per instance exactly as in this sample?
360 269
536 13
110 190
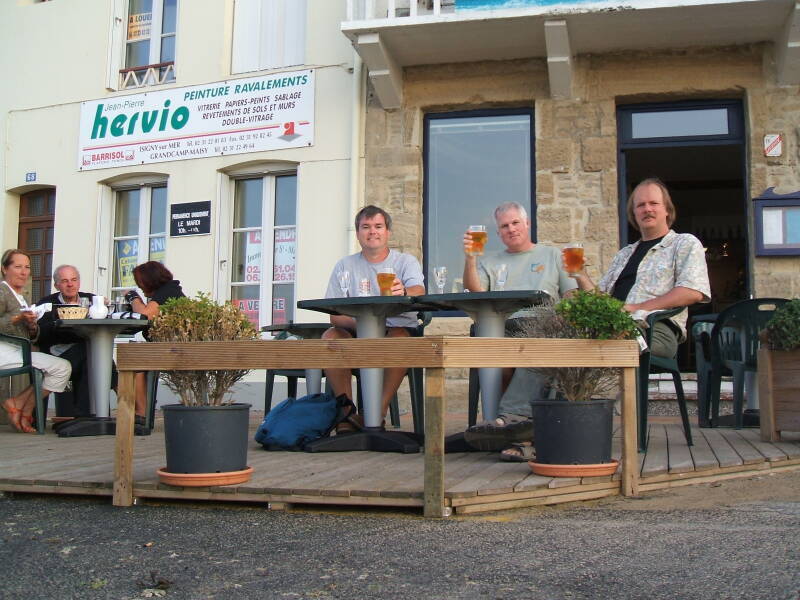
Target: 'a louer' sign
229 117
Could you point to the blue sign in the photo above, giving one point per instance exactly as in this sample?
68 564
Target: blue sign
30 176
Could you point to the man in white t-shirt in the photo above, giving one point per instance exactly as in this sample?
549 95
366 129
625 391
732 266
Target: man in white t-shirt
529 266
373 230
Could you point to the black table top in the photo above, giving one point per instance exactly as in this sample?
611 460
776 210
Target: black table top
383 305
305 330
505 300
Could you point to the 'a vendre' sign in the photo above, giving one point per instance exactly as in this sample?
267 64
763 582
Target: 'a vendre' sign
229 117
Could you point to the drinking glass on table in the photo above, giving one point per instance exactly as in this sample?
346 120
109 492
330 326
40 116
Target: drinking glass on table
344 282
479 237
572 255
500 276
386 280
440 277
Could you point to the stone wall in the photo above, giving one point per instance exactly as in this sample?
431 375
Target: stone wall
576 139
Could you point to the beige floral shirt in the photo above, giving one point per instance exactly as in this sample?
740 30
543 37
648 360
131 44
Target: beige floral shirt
678 260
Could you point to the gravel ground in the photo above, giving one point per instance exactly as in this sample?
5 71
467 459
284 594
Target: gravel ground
733 539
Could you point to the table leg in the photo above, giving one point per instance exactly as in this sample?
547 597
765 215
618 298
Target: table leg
490 324
371 326
434 502
123 456
313 381
101 348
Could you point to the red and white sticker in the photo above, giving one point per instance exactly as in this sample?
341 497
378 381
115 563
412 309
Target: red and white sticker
773 144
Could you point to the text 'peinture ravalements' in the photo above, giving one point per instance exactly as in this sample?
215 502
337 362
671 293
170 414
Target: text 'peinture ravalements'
229 117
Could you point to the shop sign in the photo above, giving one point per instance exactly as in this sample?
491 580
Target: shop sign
230 117
190 218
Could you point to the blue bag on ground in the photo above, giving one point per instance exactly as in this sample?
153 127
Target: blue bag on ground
297 421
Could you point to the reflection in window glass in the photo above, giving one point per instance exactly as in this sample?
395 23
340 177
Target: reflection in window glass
282 303
247 203
168 49
158 210
679 123
168 19
246 266
127 213
285 194
474 164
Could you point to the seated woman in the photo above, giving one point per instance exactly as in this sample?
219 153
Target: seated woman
16 267
157 283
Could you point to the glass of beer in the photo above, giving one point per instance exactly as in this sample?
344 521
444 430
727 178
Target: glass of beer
572 255
479 237
385 280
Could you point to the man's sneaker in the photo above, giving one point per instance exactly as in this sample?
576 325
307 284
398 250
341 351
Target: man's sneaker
493 436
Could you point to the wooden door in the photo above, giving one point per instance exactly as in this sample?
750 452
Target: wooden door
36 224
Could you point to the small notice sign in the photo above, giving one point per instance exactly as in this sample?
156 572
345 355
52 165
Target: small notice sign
190 218
773 144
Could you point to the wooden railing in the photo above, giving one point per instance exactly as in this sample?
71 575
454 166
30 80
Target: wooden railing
432 353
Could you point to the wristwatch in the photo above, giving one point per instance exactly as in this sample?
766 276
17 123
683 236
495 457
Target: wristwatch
131 296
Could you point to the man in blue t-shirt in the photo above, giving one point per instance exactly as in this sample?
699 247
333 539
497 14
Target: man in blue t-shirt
373 230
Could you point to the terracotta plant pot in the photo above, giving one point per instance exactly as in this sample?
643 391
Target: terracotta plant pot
597 470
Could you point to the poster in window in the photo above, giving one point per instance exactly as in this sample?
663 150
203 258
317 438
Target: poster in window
252 257
127 255
278 311
283 260
157 249
249 306
139 26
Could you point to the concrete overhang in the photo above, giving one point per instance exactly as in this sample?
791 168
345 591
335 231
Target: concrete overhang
561 32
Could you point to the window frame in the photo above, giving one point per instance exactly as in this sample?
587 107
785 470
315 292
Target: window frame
151 71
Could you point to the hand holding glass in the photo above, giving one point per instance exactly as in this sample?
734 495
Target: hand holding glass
500 275
479 237
572 255
386 279
344 282
440 277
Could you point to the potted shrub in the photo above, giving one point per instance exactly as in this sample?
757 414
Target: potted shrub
572 433
206 435
779 373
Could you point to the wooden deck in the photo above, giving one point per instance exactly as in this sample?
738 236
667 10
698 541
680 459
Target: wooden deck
474 482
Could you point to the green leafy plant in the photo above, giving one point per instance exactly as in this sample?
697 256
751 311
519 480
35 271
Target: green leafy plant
783 329
584 315
201 319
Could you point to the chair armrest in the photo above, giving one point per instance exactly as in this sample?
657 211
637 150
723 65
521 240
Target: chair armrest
655 317
23 343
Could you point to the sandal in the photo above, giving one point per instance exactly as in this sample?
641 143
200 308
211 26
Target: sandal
349 420
498 434
518 453
17 423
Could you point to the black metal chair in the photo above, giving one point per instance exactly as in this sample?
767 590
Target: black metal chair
658 364
35 375
734 346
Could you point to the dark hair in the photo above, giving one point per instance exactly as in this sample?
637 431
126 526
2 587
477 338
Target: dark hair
8 255
671 213
368 212
151 275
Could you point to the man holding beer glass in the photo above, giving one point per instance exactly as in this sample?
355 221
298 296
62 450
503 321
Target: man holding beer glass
375 271
528 266
662 270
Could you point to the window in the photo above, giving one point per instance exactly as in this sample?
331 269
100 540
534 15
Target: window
36 222
473 162
140 231
150 43
264 241
268 34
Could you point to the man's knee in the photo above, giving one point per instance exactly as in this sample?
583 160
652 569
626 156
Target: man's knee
336 333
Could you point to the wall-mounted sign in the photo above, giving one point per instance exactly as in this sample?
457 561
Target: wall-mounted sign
230 117
773 144
30 177
190 218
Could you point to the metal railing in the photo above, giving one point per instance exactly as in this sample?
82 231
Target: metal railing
358 10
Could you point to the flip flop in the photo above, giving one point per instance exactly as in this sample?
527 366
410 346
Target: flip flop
518 453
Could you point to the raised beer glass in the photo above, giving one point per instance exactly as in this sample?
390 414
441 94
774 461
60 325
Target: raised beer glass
572 255
479 237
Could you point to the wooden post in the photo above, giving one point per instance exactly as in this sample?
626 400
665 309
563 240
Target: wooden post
123 457
434 444
766 398
630 461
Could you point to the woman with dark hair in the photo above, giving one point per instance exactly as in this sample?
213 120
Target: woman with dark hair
157 284
17 319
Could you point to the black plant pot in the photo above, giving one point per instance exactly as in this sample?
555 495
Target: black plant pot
206 439
572 433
